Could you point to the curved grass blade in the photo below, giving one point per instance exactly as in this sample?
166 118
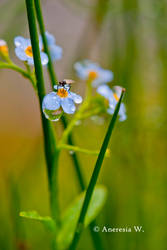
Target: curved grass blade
94 177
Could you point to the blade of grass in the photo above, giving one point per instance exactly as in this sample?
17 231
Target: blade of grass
94 177
49 138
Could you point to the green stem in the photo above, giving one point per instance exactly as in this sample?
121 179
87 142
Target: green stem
18 69
78 149
53 78
93 180
52 74
97 241
78 115
49 138
74 156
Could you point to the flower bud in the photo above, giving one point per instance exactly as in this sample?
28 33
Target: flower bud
4 52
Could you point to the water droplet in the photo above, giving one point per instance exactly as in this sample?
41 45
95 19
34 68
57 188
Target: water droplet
53 115
78 123
71 152
97 119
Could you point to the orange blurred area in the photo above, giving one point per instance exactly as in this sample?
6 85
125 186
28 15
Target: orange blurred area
129 38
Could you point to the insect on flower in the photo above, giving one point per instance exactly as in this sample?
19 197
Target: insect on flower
112 97
62 99
88 70
55 50
24 52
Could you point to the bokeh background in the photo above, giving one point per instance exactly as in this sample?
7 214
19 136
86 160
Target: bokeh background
130 38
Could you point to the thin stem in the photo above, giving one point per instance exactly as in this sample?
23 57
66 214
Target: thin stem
74 156
93 180
78 115
20 70
49 138
52 74
97 241
78 149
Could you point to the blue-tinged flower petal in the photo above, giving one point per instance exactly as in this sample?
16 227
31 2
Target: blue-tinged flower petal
56 52
30 60
50 38
122 112
44 58
68 105
76 98
86 68
105 91
110 111
20 53
104 76
51 101
113 98
20 41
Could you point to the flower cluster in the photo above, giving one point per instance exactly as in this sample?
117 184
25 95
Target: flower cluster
99 78
62 99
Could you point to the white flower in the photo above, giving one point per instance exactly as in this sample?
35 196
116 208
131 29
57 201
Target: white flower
89 70
113 96
55 50
24 52
61 98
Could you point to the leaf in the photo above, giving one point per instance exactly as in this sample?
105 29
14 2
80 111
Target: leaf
71 215
45 220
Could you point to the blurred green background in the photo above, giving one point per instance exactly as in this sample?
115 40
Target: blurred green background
130 38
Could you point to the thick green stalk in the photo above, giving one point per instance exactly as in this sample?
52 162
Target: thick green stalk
49 139
94 177
52 74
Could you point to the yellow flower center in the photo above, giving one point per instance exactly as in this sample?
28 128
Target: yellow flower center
116 97
62 93
4 49
92 75
28 51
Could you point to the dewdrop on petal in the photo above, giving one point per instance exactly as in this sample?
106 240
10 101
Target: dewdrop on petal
71 152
